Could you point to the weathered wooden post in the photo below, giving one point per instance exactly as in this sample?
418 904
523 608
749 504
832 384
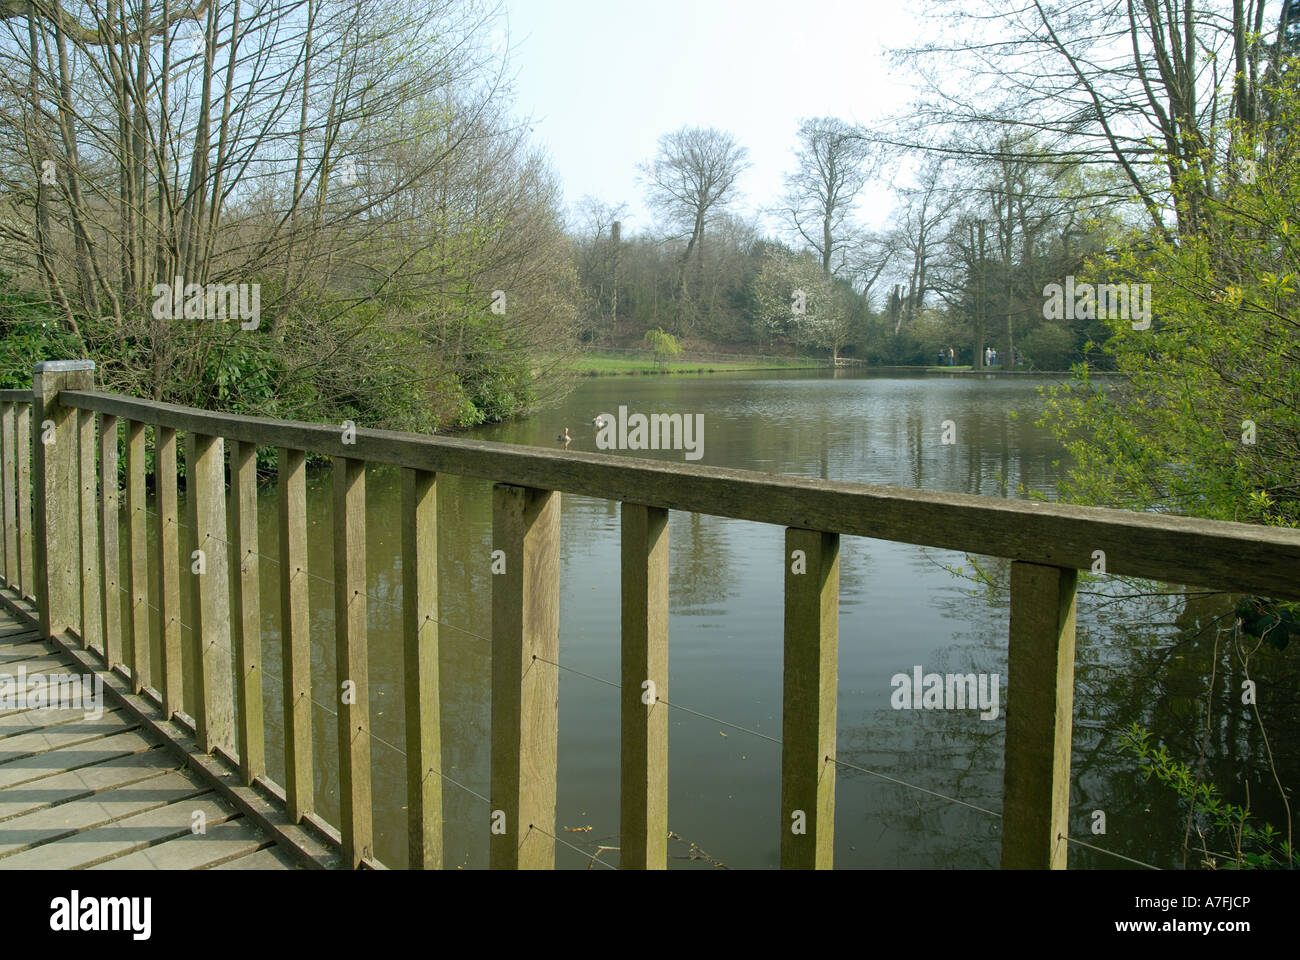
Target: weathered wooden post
247 603
110 518
169 571
1040 706
809 697
138 658
23 483
525 692
205 494
351 658
91 625
420 630
56 463
643 757
295 642
7 466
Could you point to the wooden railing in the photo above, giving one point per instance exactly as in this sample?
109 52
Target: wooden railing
16 436
74 539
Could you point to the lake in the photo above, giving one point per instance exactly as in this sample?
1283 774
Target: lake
901 607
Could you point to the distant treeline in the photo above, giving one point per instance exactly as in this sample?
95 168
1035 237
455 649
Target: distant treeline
408 252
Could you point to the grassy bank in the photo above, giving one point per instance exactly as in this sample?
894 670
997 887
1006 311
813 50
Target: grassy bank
599 364
607 364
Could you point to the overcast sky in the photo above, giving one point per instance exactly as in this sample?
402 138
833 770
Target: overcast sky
605 78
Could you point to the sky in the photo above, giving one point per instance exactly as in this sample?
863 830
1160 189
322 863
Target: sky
604 79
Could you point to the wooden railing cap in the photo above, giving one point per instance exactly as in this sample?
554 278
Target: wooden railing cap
1217 554
63 366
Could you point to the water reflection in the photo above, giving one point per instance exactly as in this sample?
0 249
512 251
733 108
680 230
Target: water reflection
1139 658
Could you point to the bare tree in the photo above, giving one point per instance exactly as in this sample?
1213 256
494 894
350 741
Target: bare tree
597 248
833 167
350 159
1114 82
691 180
865 256
925 211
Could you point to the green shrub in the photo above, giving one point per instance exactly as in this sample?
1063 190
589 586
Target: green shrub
1049 346
664 345
1250 846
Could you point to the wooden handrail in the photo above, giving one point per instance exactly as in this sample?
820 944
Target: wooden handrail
1214 554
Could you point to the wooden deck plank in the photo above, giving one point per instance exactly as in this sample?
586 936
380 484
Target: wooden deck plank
54 823
15 722
35 766
64 787
48 667
268 858
46 663
313 846
16 652
221 843
122 836
78 792
104 792
64 735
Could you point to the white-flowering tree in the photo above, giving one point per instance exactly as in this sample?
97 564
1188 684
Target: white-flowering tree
795 300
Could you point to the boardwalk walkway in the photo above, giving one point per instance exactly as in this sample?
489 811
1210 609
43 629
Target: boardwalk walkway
77 792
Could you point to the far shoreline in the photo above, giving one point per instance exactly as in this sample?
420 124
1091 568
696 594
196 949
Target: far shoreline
598 364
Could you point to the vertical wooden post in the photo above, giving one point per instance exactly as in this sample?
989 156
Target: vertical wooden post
295 644
137 656
812 594
1040 717
7 462
420 629
247 625
169 569
643 758
23 481
92 632
110 518
205 494
55 458
350 653
525 692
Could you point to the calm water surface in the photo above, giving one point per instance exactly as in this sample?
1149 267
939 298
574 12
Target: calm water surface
900 606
